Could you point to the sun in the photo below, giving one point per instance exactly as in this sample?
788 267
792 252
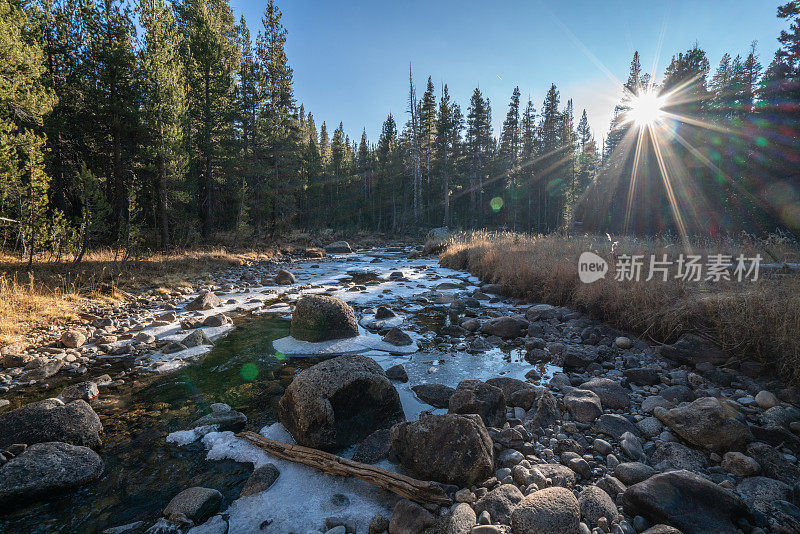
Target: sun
646 108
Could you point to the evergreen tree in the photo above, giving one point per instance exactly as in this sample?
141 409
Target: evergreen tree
449 124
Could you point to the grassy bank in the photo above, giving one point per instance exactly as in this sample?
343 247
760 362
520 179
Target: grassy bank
757 321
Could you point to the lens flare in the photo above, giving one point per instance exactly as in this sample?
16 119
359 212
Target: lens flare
646 108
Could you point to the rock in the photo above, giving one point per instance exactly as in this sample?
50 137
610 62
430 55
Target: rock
374 448
73 339
472 396
651 403
217 320
45 370
51 420
595 503
642 376
338 402
560 475
632 447
545 412
397 372
678 393
773 463
47 470
145 338
320 318
9 361
510 386
584 405
285 278
378 524
766 400
260 480
500 502
578 357
739 464
437 395
205 301
633 472
225 418
687 501
505 327
384 313
673 455
708 422
397 337
80 391
461 520
453 449
196 504
410 518
623 343
614 425
662 529
692 349
611 394
338 247
550 510
196 339
759 492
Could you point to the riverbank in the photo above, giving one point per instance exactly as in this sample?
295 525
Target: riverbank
755 322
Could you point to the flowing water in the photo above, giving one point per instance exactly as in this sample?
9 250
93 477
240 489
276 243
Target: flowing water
143 471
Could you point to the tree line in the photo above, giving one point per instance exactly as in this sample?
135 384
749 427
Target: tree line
150 124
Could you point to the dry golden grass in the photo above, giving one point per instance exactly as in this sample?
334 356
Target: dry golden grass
53 292
752 320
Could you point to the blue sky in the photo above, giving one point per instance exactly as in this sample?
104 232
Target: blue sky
351 58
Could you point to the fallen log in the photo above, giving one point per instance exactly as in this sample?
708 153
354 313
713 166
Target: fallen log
420 491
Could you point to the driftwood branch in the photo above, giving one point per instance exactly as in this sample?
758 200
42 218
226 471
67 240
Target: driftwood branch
416 490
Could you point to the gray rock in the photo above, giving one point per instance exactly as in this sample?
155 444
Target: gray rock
472 396
196 504
47 469
551 510
374 448
584 405
708 422
633 472
225 418
338 402
544 413
505 327
611 393
45 371
651 403
284 278
437 395
692 349
759 492
642 376
217 320
739 464
559 475
500 502
595 503
650 427
378 524
51 420
773 463
260 479
80 391
397 372
338 247
673 455
196 339
454 449
614 425
321 317
397 337
73 339
204 301
687 501
410 518
461 520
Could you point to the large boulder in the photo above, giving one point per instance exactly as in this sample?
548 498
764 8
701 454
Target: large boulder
450 448
195 504
437 395
595 504
500 502
505 327
339 402
204 301
686 501
692 349
708 422
544 412
51 420
338 247
73 339
551 510
473 396
47 470
320 318
285 278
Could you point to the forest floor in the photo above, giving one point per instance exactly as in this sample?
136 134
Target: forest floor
756 321
53 293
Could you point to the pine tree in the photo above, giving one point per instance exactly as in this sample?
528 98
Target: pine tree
551 170
427 123
478 146
449 124
163 101
619 124
529 150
